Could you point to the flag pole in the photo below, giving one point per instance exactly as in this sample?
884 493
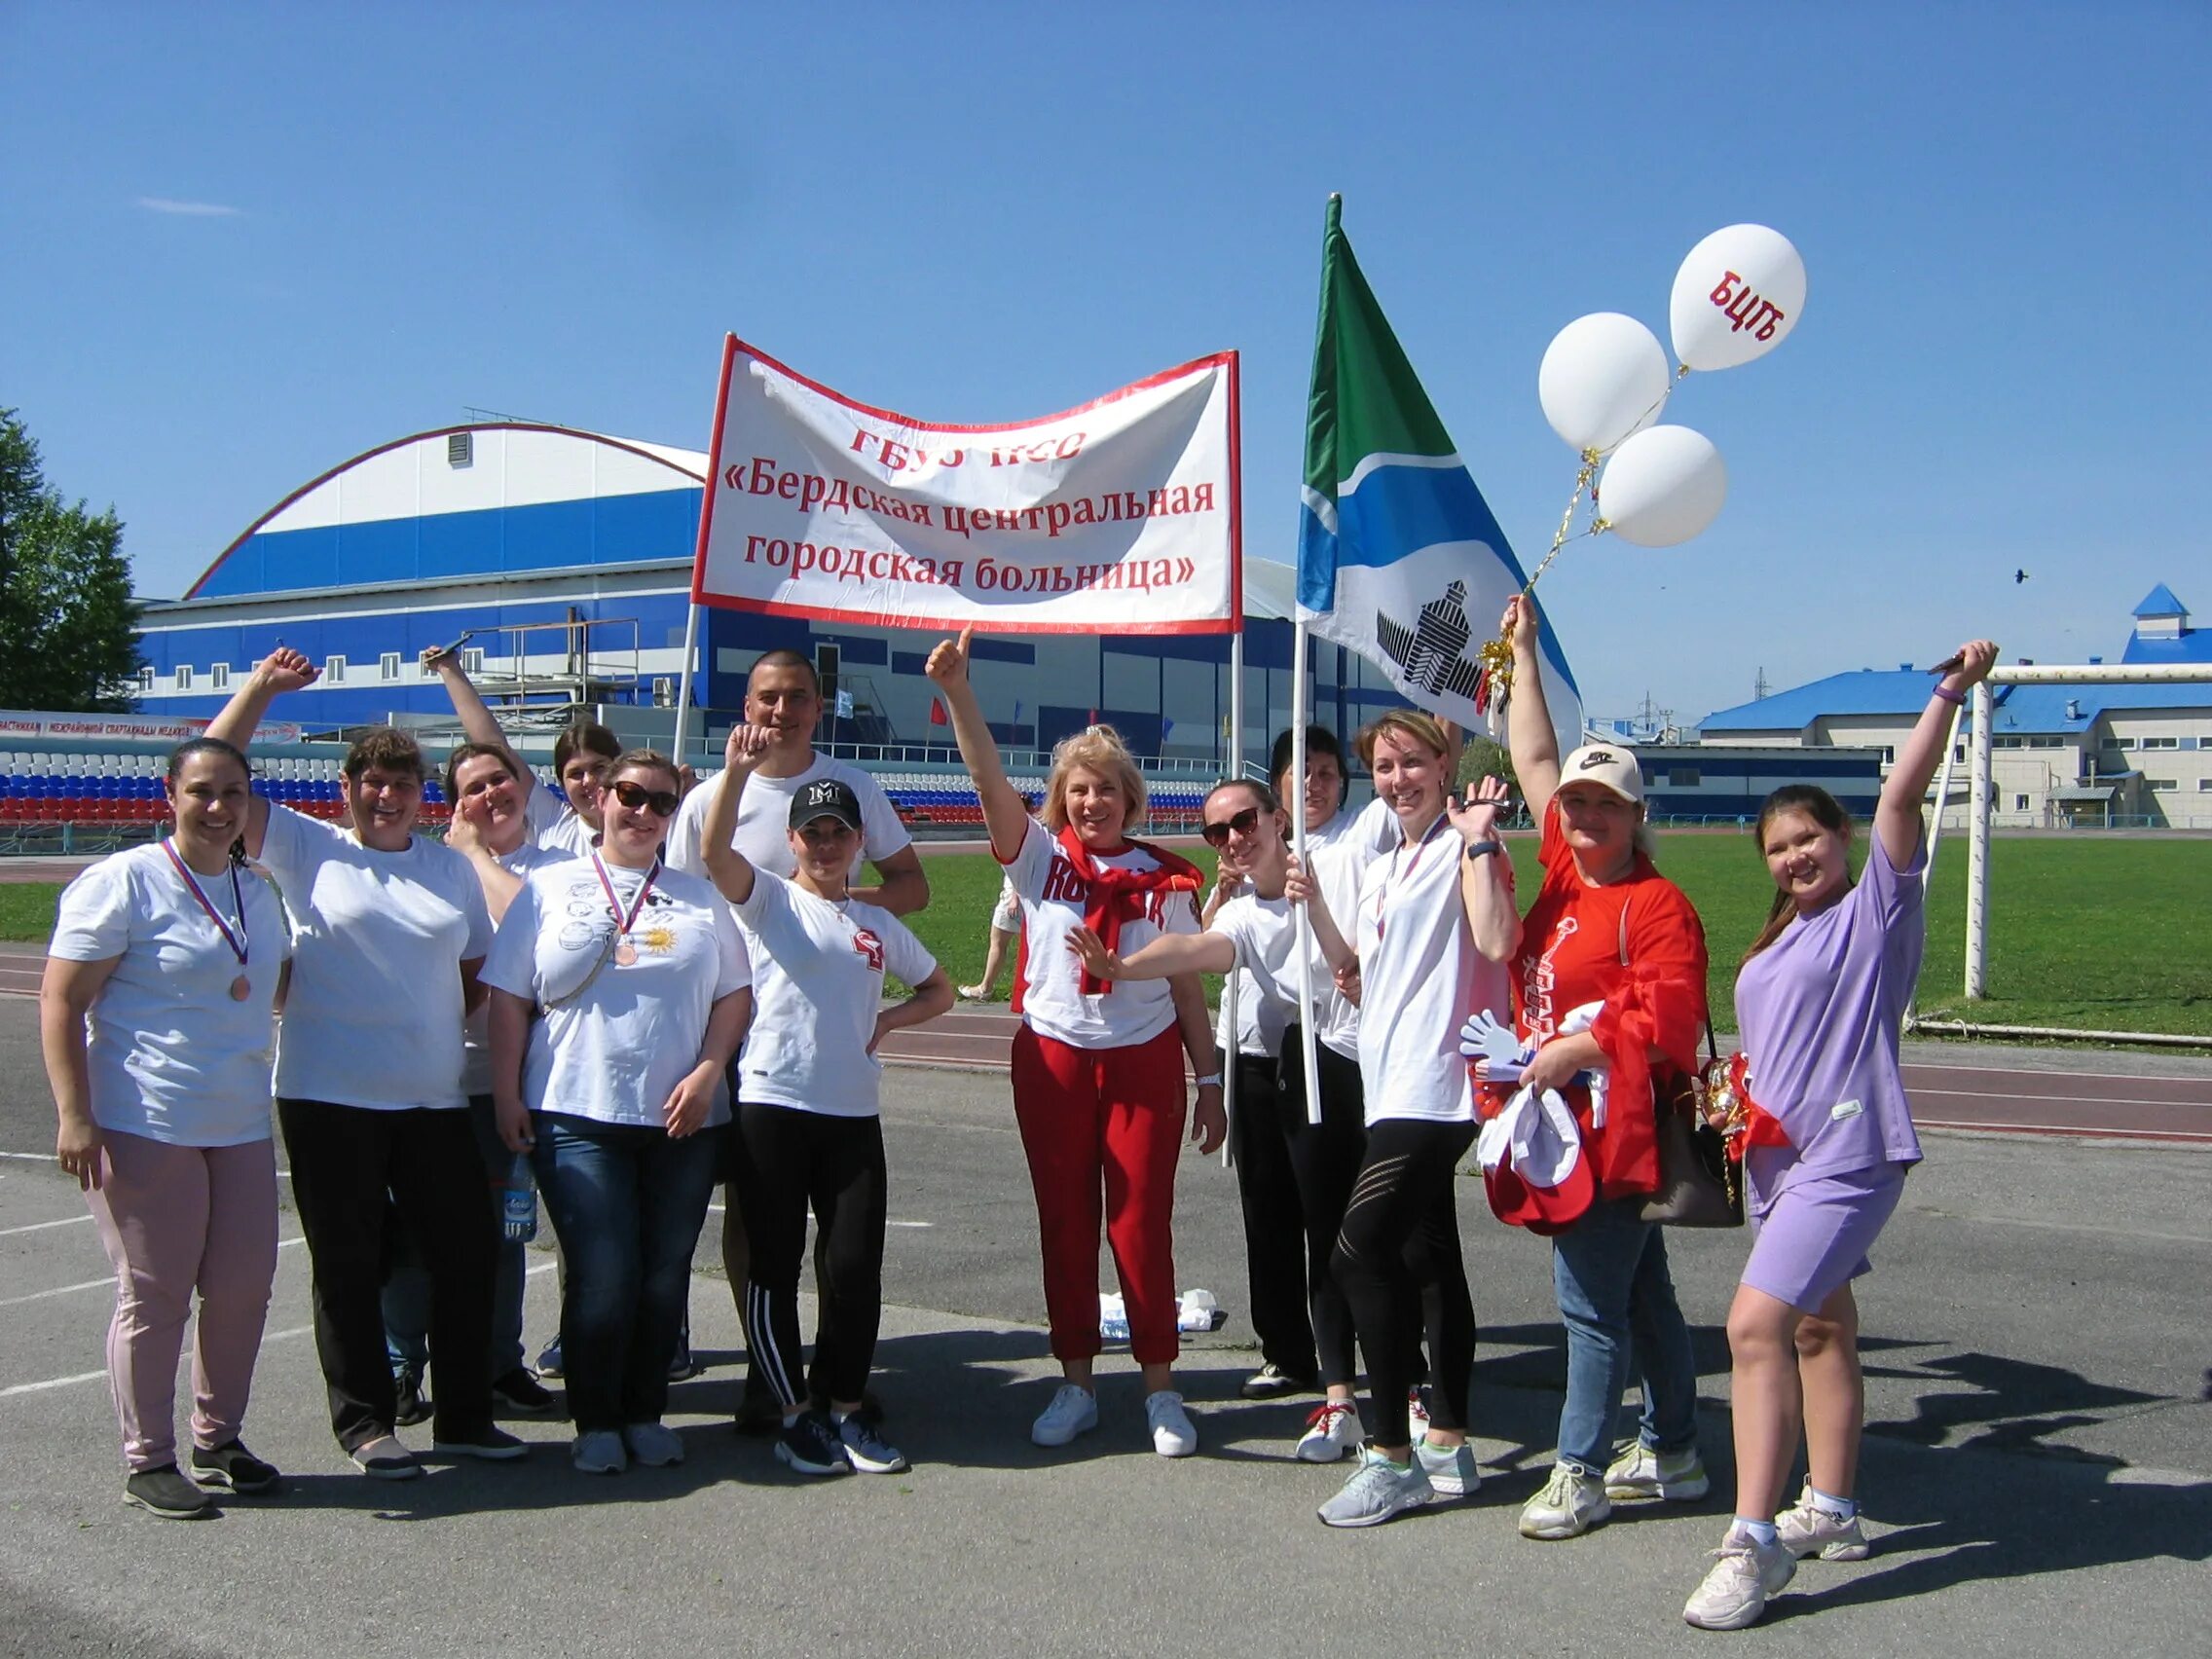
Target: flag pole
683 682
1235 768
1298 716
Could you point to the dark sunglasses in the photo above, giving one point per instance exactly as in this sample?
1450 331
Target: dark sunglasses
1242 824
661 803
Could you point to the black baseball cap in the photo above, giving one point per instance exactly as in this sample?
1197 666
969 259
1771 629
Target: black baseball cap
827 798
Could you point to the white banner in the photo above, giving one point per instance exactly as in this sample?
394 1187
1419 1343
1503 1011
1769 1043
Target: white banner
20 723
1118 517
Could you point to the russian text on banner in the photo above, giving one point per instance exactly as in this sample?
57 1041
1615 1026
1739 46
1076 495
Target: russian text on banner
1121 516
1399 556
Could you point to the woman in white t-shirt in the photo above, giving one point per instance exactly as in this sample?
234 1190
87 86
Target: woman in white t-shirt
1420 976
620 991
1098 1067
807 1133
156 1023
387 930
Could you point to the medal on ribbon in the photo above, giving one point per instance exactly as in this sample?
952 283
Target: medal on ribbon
625 953
240 945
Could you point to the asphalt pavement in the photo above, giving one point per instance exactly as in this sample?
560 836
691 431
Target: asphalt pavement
2037 1469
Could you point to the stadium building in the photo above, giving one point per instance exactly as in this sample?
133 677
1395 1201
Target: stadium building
563 558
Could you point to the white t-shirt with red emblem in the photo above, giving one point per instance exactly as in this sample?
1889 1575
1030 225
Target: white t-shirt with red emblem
1053 1000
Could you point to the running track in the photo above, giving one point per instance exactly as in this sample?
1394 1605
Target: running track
1946 1095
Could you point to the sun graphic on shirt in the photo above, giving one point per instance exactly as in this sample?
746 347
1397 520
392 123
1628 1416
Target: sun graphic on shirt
659 938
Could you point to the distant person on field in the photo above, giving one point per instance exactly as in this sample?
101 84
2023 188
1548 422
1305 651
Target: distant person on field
1000 941
156 1019
1828 1136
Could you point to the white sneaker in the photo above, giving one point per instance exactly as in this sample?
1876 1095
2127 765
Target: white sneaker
598 1453
1569 1505
654 1445
968 993
1332 1433
1073 1411
1745 1574
1808 1529
1172 1432
1640 1475
1451 1470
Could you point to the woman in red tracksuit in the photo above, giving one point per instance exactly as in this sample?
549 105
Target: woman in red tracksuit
1097 1066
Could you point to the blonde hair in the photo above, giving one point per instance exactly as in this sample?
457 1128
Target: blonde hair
1100 749
1423 728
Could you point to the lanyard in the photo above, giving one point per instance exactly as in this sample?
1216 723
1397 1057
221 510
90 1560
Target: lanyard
624 953
239 942
1391 879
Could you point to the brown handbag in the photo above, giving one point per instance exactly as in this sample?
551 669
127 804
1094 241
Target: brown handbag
1700 1184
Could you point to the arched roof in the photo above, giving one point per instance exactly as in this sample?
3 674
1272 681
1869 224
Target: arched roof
481 498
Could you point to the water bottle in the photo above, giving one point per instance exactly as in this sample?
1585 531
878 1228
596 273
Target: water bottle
518 1201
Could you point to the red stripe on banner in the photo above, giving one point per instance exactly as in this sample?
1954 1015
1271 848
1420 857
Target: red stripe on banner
1214 361
953 625
713 475
1235 494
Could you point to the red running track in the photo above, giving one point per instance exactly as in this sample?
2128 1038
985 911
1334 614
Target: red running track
2107 1100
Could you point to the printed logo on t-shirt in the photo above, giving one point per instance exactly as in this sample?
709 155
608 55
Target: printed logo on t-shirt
1064 881
1536 985
657 938
870 946
1843 1111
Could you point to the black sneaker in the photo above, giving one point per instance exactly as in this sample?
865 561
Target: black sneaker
413 1405
521 1392
549 1359
682 1367
810 1445
232 1467
867 1449
1272 1382
494 1445
164 1493
383 1458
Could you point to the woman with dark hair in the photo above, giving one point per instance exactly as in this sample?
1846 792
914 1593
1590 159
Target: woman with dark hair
1821 996
389 928
809 1134
155 1024
620 991
1098 1067
1609 975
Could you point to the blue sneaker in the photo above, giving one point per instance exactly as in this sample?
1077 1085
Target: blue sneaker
865 1450
1377 1490
810 1444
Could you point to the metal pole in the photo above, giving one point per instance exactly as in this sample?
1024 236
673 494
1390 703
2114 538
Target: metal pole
1943 794
683 688
1977 851
1235 768
1298 716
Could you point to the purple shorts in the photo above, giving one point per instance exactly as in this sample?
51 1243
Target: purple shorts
1813 1240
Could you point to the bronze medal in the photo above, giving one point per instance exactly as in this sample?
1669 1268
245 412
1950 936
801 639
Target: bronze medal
626 954
240 989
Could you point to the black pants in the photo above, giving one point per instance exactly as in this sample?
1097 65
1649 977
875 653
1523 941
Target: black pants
785 1162
344 1161
1401 1233
1324 1159
1275 1222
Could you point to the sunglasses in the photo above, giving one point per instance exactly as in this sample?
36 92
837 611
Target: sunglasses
1243 823
661 803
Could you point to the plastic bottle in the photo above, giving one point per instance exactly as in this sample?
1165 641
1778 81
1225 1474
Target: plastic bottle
518 1201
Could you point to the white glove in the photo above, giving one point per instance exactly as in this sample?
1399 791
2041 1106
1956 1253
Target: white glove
1482 1038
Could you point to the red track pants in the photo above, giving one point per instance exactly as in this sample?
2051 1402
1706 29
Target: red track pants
1104 1124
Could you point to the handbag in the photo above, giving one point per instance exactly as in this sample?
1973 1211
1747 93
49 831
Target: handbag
1700 1183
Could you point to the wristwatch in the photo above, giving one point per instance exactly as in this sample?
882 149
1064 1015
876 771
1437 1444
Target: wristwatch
1483 849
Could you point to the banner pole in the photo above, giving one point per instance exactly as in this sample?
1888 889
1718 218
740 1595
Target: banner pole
1298 719
1235 768
684 685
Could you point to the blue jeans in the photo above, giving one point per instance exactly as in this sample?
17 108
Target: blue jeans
1617 1300
627 1204
407 1280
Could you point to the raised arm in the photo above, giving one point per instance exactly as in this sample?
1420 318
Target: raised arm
1485 880
1529 732
1897 817
1162 959
476 717
729 869
281 670
1005 813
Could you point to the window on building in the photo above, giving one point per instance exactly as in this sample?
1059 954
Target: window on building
388 666
461 449
1889 754
334 669
2161 743
472 659
145 679
219 676
1995 742
184 677
2046 741
2119 743
1959 751
2161 786
1684 777
2020 804
2204 786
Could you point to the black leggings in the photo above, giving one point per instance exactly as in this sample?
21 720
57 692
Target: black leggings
1400 1236
1324 1159
785 1160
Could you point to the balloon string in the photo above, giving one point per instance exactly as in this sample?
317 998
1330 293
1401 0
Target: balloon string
1567 519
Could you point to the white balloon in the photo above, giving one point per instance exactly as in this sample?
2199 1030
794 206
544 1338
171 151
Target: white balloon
1737 297
1663 486
1603 377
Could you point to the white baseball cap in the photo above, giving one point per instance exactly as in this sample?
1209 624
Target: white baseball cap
1608 765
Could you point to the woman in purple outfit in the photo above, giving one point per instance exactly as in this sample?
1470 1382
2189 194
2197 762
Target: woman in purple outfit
1821 998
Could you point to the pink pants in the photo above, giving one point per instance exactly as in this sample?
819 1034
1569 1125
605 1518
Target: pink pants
1103 1129
173 1218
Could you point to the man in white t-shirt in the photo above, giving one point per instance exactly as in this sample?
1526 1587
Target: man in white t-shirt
784 694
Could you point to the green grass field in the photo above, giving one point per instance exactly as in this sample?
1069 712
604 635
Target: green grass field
2087 934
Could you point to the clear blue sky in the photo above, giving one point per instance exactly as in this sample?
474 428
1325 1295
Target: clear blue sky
239 245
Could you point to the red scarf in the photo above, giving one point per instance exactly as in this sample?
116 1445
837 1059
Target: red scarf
1115 895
